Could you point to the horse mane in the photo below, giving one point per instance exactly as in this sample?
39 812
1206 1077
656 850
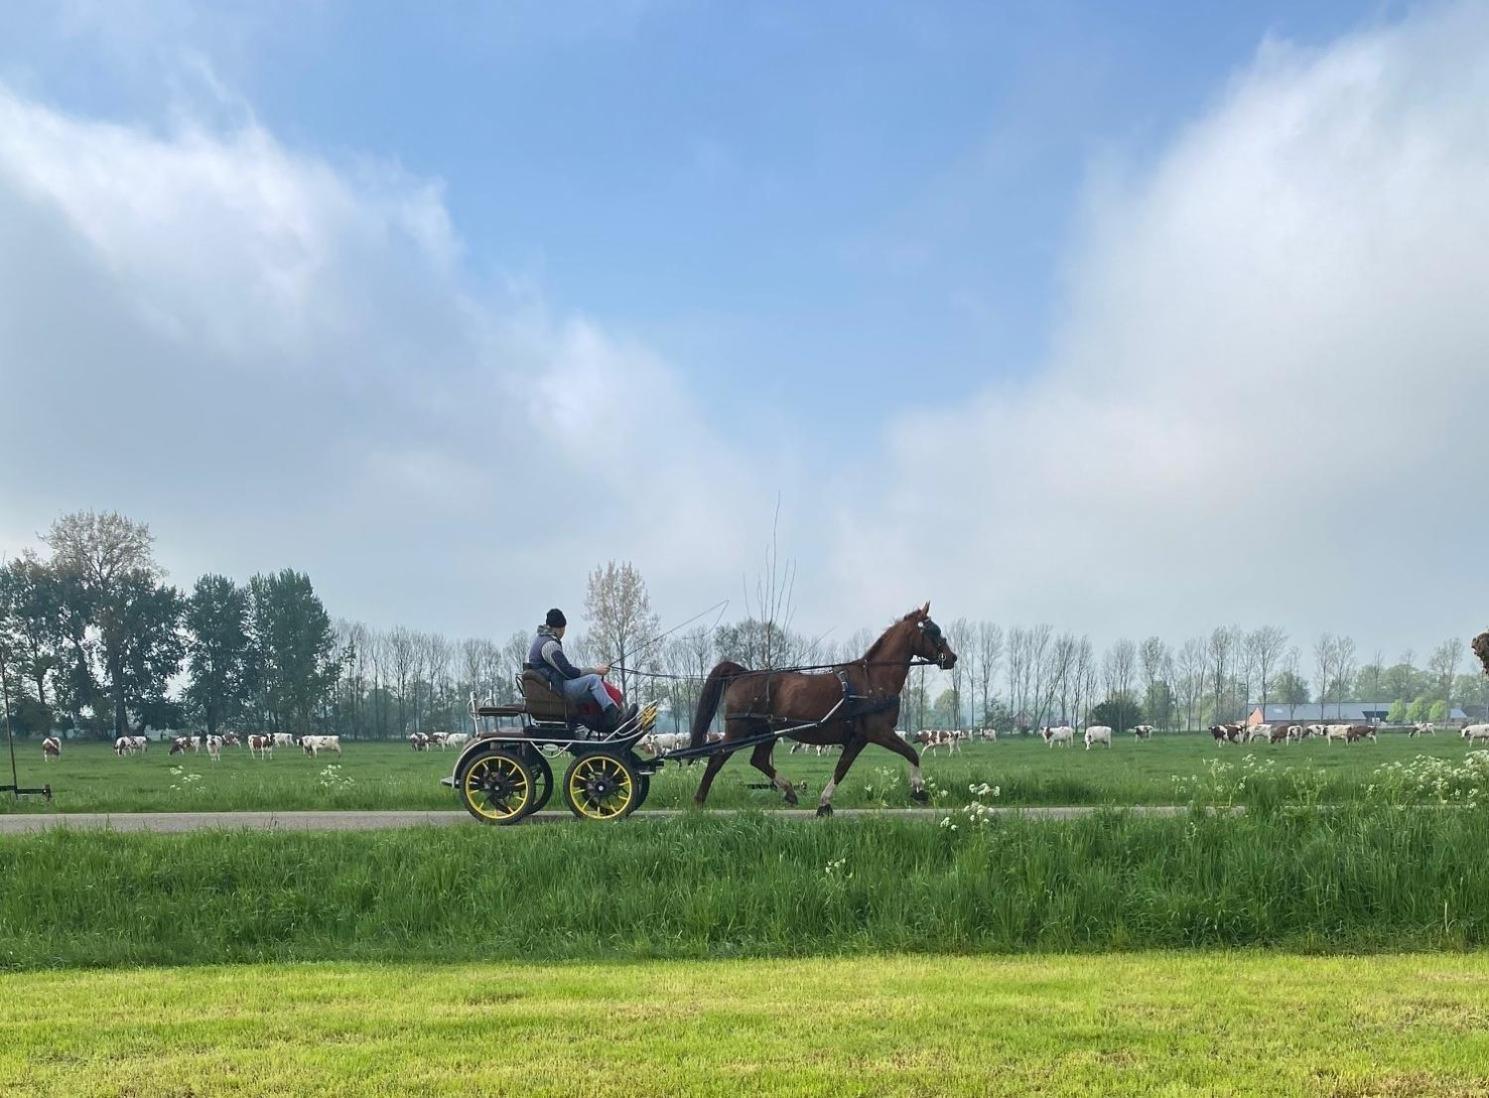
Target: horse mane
877 648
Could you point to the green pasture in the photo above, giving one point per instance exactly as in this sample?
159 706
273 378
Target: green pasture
1187 1024
89 778
1360 878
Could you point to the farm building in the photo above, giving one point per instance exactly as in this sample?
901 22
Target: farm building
1335 712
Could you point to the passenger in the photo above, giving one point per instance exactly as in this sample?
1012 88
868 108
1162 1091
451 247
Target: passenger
576 685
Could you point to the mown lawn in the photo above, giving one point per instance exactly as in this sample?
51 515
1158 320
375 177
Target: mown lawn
89 778
1209 1023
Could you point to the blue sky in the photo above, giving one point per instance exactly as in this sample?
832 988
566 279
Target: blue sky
824 204
1049 312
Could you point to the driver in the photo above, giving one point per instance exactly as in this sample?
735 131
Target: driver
577 685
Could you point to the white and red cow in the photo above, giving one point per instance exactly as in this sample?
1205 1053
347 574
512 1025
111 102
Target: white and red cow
418 741
1060 734
131 745
1098 733
314 745
261 745
51 748
1142 731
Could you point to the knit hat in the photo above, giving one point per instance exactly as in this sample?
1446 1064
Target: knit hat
556 619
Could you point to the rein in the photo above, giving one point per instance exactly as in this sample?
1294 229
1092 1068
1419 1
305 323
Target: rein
798 669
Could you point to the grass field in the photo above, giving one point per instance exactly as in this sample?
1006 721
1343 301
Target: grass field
1373 878
89 778
1212 1023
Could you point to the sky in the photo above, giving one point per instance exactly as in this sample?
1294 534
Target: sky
1129 318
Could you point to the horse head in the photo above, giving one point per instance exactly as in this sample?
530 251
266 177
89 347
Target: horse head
929 642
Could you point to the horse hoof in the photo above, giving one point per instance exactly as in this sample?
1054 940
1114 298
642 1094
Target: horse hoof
919 796
824 810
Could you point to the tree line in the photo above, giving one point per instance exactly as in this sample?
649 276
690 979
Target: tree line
93 641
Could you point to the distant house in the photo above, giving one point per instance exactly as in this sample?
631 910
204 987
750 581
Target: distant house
1334 712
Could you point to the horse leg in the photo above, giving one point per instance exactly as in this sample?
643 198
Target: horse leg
760 760
733 730
900 747
850 752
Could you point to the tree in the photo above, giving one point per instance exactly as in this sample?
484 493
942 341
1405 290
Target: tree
32 615
1344 670
217 650
989 653
1118 667
1399 713
112 572
1191 668
620 616
1438 711
1418 710
1290 689
145 652
1444 667
1267 645
1220 653
292 648
944 711
1324 664
1117 713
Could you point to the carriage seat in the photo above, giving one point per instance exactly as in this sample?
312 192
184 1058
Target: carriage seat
542 703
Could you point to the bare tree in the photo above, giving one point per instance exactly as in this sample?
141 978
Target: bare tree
1325 663
1018 661
620 615
1192 673
402 658
989 654
958 635
1266 646
1344 672
1118 667
1220 653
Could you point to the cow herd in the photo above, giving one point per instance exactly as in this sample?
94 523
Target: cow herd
260 745
423 741
1063 735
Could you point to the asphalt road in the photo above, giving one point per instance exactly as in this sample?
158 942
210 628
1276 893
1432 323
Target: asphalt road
30 822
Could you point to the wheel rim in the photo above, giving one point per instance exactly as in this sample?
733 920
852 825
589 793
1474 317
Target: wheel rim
497 787
600 787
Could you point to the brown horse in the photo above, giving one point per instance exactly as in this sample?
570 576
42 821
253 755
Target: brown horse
759 702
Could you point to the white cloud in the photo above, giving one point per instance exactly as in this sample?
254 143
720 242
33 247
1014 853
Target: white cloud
1268 386
276 360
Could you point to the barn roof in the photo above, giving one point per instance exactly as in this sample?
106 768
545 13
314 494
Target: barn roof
1339 711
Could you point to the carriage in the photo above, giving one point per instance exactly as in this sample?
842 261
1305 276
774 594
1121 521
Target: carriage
506 773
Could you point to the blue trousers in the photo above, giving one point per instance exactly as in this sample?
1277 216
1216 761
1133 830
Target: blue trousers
588 688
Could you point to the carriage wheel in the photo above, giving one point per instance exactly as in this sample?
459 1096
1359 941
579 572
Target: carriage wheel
602 786
543 774
497 788
645 790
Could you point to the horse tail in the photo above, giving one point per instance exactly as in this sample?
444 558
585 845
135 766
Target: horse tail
708 701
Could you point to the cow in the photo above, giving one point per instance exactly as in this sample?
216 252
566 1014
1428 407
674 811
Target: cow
1283 733
51 748
181 744
285 739
231 739
1338 732
1225 733
990 735
1421 728
1474 732
1261 732
131 745
1062 734
418 741
1355 732
261 744
1320 730
1142 731
314 745
437 739
1098 733
457 739
214 748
